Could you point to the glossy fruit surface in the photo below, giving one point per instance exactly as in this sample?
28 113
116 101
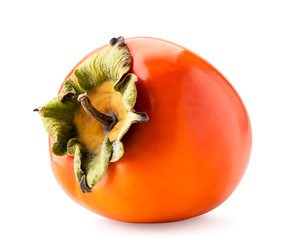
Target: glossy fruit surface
191 154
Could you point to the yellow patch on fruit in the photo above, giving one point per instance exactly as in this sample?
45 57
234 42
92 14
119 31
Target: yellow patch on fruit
106 100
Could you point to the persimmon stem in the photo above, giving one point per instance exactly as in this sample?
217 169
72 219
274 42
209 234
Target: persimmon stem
108 121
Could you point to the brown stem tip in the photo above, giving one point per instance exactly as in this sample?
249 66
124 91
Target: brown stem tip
108 121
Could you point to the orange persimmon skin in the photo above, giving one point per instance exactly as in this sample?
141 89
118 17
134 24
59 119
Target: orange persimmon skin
191 154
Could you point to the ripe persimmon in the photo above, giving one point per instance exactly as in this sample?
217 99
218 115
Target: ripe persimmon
186 155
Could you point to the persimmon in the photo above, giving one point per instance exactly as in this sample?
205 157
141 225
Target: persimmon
186 153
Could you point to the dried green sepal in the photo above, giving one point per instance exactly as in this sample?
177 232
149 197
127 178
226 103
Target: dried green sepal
96 168
128 90
94 165
111 63
58 116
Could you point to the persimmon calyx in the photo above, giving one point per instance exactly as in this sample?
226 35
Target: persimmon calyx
90 116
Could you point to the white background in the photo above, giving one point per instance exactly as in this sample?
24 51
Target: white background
248 41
